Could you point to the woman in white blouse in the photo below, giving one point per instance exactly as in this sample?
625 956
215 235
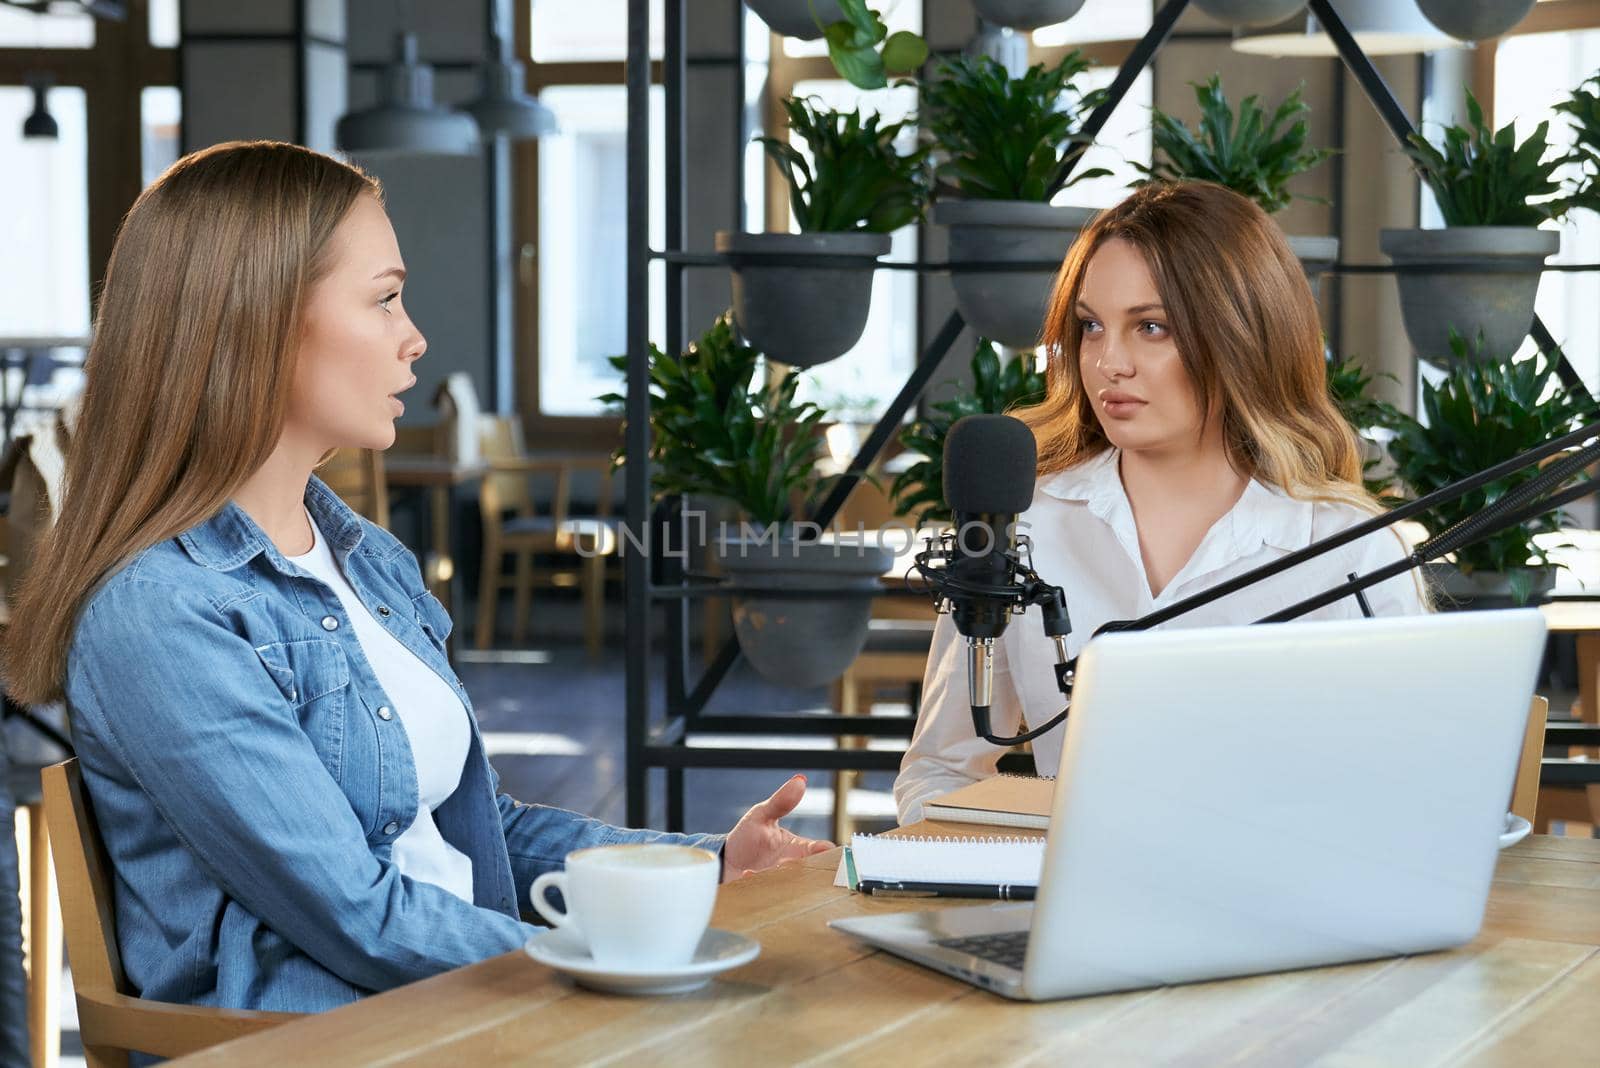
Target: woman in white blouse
1186 437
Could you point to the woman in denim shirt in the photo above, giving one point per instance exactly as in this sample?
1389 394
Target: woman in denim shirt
250 775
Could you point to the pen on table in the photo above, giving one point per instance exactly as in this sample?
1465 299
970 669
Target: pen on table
893 888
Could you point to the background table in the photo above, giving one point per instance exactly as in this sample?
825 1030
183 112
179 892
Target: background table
1523 993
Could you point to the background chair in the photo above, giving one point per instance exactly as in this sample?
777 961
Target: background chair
111 1018
515 524
356 475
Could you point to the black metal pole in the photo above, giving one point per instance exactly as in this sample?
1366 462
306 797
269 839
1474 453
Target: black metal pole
637 441
677 613
1399 123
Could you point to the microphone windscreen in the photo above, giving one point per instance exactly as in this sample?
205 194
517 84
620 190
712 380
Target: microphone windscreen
989 463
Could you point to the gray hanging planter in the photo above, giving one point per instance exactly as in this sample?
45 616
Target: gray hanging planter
1316 254
1482 590
793 18
1497 302
1007 306
1475 20
1026 14
796 641
802 315
1250 12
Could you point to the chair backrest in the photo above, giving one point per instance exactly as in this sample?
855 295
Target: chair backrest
356 475
1525 791
500 440
83 872
111 1018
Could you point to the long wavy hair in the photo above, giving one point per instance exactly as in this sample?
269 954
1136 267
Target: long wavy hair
1246 328
188 373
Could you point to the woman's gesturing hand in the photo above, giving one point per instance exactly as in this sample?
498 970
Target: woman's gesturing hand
757 842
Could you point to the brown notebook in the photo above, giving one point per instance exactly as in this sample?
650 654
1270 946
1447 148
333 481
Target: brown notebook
1000 801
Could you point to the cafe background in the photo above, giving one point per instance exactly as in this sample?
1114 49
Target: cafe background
516 258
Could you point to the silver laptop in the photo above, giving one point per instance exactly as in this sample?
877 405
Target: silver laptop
1252 799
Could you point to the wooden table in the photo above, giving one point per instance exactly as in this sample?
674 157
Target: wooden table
439 476
1523 993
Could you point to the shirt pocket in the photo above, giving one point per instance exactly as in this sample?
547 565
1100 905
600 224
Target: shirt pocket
313 675
432 618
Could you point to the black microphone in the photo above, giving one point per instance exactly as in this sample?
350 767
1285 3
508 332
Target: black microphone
989 466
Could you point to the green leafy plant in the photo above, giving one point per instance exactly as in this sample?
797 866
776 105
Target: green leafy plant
1004 138
1484 178
1350 386
719 430
863 50
1583 106
855 180
1483 412
1255 155
996 388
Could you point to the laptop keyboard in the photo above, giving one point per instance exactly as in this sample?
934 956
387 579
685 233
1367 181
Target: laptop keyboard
1008 948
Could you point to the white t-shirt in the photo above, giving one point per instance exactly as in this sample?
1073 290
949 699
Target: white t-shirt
1085 541
435 725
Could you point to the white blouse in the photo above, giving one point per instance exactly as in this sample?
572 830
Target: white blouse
1084 540
435 723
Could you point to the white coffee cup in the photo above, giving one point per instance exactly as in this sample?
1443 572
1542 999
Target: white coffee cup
636 906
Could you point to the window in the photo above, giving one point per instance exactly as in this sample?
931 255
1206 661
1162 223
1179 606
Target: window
23 29
583 244
565 32
163 23
1537 70
44 275
1123 141
160 108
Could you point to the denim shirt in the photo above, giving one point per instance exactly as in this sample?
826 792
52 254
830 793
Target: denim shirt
249 792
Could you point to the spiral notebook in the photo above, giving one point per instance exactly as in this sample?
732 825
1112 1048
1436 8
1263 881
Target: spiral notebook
977 862
1000 801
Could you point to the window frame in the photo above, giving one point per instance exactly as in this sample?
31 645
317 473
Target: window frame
113 75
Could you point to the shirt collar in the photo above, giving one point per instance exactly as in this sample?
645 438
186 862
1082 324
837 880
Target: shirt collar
231 538
1263 515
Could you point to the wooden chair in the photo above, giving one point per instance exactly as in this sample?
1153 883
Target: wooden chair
514 524
356 475
1525 792
111 1018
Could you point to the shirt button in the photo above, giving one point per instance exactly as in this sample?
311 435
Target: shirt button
385 713
391 828
329 623
383 610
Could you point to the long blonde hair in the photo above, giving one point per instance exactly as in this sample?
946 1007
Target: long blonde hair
1246 329
188 374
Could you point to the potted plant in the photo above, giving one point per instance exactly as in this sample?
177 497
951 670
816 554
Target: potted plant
1006 147
1485 411
1475 20
1485 184
1255 156
1373 420
720 429
861 47
1583 107
855 189
997 387
1026 14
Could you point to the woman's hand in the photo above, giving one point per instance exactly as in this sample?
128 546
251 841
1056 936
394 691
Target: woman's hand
757 843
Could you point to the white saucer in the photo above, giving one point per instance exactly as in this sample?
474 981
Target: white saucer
1515 830
718 951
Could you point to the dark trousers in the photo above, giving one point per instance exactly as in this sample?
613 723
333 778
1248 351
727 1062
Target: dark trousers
13 988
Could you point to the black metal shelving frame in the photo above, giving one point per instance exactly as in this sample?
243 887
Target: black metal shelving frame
655 579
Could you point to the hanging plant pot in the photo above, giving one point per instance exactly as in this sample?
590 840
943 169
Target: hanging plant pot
1475 20
1007 306
794 18
1250 12
1481 590
808 313
796 641
1026 14
1316 254
1498 302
